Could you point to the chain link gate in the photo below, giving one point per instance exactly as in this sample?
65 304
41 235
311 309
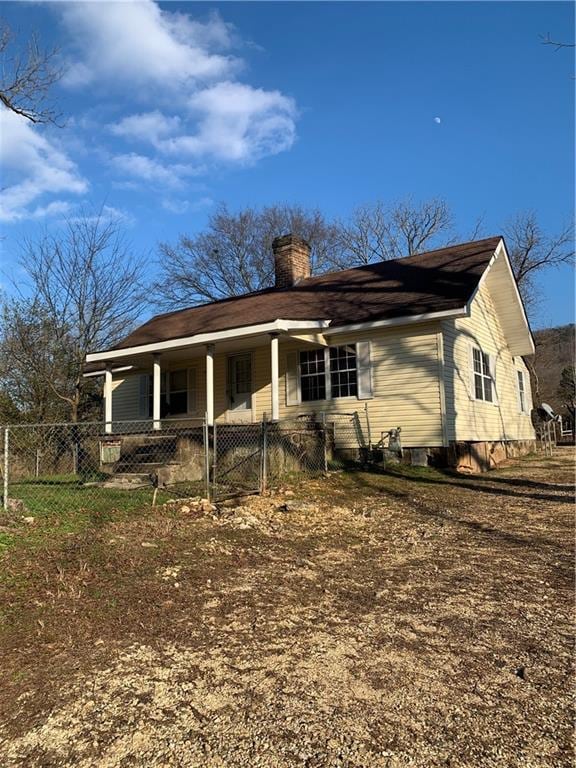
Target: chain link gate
238 452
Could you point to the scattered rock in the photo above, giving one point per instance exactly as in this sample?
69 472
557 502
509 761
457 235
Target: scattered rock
298 506
16 505
29 520
171 572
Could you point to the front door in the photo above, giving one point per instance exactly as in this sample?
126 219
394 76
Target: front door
240 386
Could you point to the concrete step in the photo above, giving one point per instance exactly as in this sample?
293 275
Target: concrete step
138 467
128 480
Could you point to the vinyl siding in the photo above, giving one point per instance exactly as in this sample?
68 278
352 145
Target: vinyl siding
125 398
469 419
405 380
419 372
126 391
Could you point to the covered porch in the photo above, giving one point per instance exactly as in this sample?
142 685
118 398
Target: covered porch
230 376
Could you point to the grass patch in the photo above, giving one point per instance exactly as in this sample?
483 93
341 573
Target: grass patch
6 539
68 494
62 505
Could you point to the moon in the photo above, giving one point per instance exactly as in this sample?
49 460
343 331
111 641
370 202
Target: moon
437 120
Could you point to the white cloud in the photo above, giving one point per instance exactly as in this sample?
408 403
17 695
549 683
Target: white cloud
148 127
136 42
55 208
184 206
177 64
151 170
33 166
105 213
196 113
233 122
241 123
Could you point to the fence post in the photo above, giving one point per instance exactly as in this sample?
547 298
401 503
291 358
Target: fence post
207 457
214 461
324 441
263 463
6 466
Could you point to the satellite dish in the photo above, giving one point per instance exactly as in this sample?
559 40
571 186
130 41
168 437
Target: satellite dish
546 413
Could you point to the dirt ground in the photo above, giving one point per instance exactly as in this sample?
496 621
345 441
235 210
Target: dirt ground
411 618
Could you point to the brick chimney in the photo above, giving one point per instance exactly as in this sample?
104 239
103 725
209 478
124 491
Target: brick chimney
291 260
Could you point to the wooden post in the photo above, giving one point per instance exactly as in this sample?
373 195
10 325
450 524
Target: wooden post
274 376
108 400
156 385
210 384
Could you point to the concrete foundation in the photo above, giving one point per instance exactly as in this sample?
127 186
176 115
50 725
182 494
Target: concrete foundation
463 456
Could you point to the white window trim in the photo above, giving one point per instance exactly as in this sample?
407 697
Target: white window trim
522 394
328 378
492 372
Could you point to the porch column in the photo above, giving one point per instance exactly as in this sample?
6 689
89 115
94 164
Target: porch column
156 379
210 384
274 376
108 400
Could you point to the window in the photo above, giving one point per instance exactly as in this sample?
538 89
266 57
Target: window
328 373
177 395
173 393
521 392
343 377
483 380
313 374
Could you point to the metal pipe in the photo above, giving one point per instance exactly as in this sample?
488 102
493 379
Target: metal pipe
263 463
325 442
207 457
6 465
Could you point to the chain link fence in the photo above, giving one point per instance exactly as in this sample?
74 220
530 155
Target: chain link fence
61 467
128 465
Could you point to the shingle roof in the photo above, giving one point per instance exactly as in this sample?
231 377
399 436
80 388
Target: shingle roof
435 281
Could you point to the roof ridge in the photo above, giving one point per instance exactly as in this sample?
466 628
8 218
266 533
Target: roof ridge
394 261
312 278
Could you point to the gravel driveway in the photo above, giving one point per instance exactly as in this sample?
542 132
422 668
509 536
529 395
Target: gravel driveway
376 620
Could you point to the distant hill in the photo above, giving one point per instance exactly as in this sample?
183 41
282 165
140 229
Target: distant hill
555 349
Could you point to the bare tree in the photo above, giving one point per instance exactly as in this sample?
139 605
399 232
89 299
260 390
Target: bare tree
531 250
27 77
233 255
557 45
27 390
378 232
85 291
567 389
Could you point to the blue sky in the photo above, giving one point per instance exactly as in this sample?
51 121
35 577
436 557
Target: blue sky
174 107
